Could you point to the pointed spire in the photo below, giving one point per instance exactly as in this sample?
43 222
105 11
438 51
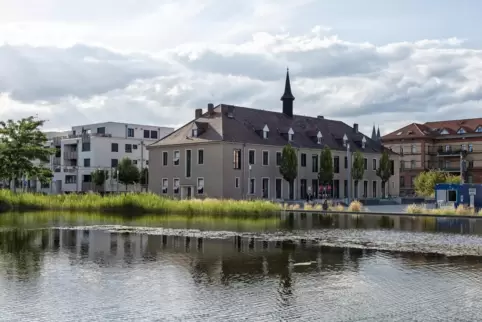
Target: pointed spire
378 133
287 95
374 133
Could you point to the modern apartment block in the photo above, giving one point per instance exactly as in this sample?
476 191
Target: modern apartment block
235 152
97 146
454 146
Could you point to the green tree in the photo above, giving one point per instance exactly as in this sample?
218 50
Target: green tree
357 169
325 174
425 182
21 143
289 167
128 172
99 177
384 171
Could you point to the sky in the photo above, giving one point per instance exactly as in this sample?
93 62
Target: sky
379 62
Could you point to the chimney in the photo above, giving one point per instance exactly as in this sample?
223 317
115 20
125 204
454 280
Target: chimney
198 113
355 127
210 108
320 116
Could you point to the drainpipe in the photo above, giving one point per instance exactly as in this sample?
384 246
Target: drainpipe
243 172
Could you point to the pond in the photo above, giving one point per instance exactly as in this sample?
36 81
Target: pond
296 267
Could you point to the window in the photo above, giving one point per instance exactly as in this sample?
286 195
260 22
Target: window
177 155
461 131
165 157
237 159
374 189
200 156
236 182
365 163
365 189
463 147
447 148
188 163
345 188
114 163
265 132
471 147
412 181
45 185
128 148
374 164
101 130
412 164
336 165
134 161
265 188
165 185
279 185
402 165
401 150
252 187
147 162
87 178
85 146
303 159
414 148
200 186
251 156
70 179
87 163
114 147
265 158
175 185
471 164
278 158
146 134
194 133
154 135
314 163
291 134
130 133
478 129
402 182
346 162
392 167
134 146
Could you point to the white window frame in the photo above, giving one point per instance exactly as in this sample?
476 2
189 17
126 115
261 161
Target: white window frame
198 156
166 186
262 158
254 186
275 179
269 188
254 159
174 158
203 186
236 182
413 148
185 164
174 186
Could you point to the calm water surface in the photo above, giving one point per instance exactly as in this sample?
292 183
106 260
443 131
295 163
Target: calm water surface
95 268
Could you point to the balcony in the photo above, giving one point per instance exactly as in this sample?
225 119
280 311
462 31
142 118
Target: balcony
70 170
70 155
56 161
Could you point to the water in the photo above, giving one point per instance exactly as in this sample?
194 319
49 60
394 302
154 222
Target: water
95 268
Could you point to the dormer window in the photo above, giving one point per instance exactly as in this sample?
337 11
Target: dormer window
291 133
461 131
363 142
444 132
194 133
479 129
345 140
319 137
265 131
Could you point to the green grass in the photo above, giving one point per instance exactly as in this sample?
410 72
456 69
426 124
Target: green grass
144 203
460 210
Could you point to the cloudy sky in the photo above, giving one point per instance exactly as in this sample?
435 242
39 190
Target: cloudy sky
155 61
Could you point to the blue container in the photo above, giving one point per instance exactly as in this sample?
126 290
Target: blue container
469 195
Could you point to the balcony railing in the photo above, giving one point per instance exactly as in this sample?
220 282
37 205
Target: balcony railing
70 155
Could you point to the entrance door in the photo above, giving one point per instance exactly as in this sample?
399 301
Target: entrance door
265 188
189 192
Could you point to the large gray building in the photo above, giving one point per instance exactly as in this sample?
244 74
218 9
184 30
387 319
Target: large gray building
235 152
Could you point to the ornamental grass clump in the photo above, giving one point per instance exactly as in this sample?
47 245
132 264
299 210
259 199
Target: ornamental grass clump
134 203
355 206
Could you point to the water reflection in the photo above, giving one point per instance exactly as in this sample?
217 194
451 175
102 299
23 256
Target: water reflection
144 277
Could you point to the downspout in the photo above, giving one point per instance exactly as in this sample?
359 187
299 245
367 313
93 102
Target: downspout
243 173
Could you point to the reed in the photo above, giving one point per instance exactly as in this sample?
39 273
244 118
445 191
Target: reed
133 203
460 210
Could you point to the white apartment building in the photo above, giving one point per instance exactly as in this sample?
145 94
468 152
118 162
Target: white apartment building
97 146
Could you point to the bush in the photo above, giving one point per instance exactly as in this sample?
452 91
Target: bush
425 182
355 206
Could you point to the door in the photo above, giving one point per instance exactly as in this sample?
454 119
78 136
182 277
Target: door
189 192
278 188
336 189
303 188
314 188
265 188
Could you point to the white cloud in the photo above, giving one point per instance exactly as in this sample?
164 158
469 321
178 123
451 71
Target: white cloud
156 64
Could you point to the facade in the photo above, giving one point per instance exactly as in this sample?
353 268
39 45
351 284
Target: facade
235 152
453 146
97 146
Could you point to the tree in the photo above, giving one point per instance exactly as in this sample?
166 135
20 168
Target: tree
99 177
289 167
425 182
384 171
357 169
21 143
144 176
325 174
128 172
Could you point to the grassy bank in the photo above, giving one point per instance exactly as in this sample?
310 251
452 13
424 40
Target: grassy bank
460 210
145 203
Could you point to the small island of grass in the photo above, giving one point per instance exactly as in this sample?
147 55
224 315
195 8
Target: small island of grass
133 203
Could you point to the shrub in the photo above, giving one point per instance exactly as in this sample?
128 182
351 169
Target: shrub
355 206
